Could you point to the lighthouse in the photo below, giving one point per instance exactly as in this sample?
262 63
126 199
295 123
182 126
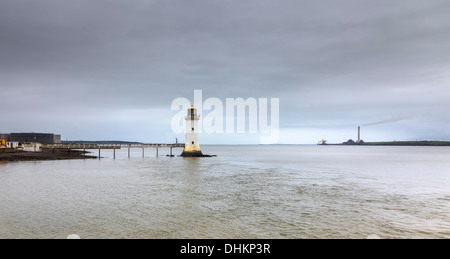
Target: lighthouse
192 147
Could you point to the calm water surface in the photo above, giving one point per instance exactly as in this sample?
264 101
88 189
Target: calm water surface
245 192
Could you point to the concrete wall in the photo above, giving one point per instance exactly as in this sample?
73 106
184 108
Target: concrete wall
57 139
31 147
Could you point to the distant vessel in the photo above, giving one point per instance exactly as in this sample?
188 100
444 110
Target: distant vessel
322 142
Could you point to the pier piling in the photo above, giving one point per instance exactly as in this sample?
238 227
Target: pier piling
84 147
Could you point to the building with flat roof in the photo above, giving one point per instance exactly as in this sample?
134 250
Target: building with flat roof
44 138
12 144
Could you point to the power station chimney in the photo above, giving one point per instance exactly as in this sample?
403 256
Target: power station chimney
359 134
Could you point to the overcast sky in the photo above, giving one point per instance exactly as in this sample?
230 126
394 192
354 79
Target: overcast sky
109 69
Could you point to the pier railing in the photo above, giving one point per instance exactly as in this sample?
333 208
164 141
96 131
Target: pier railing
109 146
99 147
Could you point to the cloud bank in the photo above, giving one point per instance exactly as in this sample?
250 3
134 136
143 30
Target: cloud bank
109 69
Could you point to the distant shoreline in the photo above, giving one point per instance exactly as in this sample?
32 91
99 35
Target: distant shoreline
409 143
423 143
44 155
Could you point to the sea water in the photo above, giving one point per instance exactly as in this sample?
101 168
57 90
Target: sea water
279 191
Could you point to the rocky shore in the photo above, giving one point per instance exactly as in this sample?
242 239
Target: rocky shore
45 154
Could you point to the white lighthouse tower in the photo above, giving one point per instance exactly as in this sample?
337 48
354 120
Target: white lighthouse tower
192 147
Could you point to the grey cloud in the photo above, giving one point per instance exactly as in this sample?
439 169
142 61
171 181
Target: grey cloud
330 62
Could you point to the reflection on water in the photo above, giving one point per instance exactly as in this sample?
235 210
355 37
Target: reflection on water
245 192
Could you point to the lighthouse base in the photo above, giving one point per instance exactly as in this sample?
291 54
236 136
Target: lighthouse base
192 154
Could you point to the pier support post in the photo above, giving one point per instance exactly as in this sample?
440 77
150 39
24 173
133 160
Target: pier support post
129 151
99 154
171 151
114 153
143 154
157 152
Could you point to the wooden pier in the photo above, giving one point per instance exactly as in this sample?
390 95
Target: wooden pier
114 147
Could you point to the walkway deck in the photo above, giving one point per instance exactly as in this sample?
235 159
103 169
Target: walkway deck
83 146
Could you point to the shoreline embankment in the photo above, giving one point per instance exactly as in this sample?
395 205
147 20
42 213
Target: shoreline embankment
8 155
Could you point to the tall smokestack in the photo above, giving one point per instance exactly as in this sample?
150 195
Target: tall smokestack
359 134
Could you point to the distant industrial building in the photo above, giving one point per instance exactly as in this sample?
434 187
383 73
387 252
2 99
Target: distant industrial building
44 138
